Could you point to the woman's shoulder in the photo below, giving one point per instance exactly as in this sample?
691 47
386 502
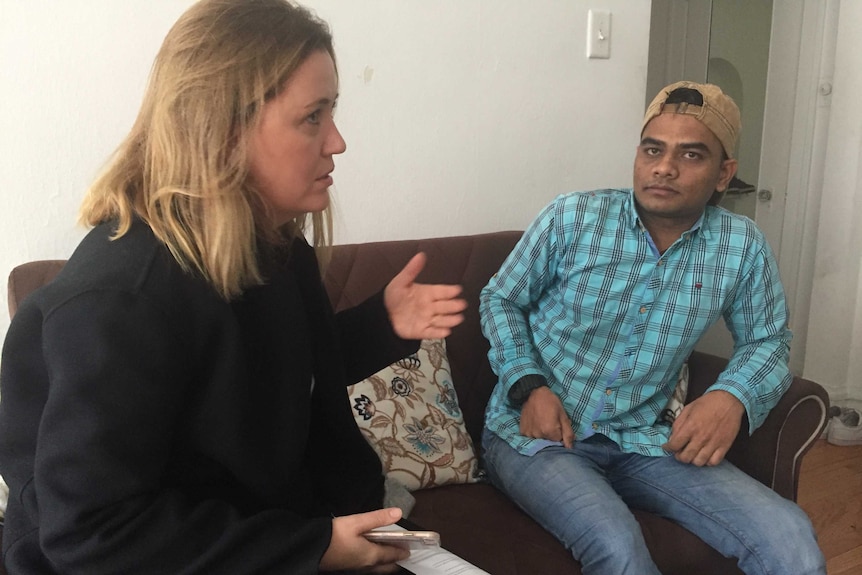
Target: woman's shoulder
126 262
133 265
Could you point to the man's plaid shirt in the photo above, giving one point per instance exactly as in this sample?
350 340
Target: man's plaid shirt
586 300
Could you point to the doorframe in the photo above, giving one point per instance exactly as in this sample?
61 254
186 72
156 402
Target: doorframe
796 121
678 43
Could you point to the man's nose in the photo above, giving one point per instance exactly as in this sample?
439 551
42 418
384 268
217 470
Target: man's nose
665 166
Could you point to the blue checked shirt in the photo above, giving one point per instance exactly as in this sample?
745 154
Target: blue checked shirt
586 300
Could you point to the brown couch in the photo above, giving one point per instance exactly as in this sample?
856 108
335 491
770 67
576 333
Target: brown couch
476 521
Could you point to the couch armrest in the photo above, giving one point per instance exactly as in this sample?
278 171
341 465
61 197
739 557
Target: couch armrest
773 453
29 276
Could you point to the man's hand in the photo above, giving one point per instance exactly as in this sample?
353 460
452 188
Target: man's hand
543 417
422 311
706 428
350 550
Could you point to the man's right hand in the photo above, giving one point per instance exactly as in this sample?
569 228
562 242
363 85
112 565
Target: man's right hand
543 417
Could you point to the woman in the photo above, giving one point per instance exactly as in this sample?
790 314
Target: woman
174 402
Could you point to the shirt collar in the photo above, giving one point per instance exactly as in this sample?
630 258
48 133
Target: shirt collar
634 220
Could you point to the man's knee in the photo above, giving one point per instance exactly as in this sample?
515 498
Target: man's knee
613 546
790 544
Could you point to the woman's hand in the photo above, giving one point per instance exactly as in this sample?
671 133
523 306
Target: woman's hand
422 311
349 549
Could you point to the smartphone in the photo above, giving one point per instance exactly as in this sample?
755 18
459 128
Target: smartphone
406 539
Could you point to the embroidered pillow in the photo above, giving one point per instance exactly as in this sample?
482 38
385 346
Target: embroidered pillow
677 401
409 414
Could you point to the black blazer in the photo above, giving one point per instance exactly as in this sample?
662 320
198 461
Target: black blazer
149 426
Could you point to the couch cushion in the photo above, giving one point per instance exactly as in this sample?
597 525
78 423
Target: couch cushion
409 414
484 527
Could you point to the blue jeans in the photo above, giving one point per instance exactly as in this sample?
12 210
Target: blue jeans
582 496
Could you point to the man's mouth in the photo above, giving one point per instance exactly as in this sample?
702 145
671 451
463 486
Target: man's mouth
661 188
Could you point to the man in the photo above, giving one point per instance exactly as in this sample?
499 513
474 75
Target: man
590 320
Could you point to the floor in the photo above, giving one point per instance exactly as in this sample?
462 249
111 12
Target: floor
830 491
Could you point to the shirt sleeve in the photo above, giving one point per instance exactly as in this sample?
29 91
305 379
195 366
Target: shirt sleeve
506 302
758 373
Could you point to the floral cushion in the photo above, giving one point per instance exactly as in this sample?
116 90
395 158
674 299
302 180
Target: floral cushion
677 401
409 414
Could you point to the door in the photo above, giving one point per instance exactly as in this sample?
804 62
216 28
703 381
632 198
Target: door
772 58
724 42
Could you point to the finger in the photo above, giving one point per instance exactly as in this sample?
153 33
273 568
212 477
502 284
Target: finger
449 306
387 556
409 272
439 293
717 457
446 321
362 522
568 436
393 568
704 456
679 435
675 443
695 450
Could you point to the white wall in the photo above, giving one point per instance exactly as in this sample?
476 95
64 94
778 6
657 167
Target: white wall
461 116
833 355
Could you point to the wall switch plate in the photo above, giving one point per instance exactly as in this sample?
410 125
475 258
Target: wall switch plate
598 34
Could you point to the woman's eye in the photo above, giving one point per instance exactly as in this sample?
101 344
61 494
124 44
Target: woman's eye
314 117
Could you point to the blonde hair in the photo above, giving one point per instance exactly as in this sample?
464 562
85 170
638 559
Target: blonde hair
183 167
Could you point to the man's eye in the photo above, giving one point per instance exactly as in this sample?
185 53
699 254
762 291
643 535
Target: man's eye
314 117
652 151
692 156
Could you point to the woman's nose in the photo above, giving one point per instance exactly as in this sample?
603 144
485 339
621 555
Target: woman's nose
335 143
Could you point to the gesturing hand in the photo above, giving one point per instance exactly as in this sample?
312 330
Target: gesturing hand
706 428
422 311
349 550
543 417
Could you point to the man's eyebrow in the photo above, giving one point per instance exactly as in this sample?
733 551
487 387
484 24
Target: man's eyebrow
699 146
651 142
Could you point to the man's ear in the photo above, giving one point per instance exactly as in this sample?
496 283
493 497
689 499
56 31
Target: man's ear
725 174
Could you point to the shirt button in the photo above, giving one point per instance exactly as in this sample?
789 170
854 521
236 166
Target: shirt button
595 426
643 309
660 263
609 391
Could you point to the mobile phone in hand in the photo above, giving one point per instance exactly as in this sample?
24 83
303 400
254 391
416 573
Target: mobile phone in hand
406 539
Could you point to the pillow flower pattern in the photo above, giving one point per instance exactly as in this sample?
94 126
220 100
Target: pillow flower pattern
409 414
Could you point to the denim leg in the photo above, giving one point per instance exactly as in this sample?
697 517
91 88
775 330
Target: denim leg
731 511
566 491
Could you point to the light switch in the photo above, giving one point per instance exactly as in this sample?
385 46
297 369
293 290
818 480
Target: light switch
598 34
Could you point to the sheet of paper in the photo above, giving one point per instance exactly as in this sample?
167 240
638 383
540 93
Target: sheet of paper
438 561
435 561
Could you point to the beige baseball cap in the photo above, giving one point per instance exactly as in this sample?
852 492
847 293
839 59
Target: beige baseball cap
706 102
